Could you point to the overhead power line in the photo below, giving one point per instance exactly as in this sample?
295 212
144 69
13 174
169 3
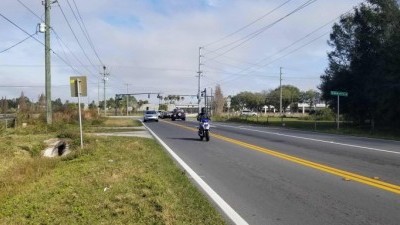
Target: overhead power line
248 25
264 65
30 10
302 38
254 34
20 28
87 35
76 38
37 40
60 41
18 43
258 65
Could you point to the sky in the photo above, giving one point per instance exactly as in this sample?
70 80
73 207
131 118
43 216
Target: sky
153 45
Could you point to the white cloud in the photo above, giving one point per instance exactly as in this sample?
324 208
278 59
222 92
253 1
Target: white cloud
153 45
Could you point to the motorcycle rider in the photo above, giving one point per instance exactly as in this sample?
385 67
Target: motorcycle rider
202 115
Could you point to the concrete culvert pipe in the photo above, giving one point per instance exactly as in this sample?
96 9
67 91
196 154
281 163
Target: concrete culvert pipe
56 147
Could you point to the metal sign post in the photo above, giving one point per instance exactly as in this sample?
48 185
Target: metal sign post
228 104
338 94
78 89
79 108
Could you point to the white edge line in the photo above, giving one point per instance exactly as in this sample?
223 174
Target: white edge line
227 209
317 140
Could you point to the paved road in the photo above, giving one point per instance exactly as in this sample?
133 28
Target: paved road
281 176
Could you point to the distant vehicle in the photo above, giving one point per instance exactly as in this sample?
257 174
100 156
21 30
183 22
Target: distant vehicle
168 114
150 115
160 113
247 113
165 114
178 114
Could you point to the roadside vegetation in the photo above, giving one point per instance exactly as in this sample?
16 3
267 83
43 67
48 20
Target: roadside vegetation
318 123
112 180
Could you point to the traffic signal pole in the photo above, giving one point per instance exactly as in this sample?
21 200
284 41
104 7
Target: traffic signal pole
198 84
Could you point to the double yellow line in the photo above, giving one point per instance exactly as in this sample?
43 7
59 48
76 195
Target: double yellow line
374 182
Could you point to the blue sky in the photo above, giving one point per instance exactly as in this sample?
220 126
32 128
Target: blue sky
153 45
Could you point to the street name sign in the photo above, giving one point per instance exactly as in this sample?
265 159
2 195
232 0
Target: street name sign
340 93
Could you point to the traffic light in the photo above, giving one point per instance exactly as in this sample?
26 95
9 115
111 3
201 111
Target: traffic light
118 97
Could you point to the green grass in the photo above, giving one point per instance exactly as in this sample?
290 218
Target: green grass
113 180
121 122
109 125
346 128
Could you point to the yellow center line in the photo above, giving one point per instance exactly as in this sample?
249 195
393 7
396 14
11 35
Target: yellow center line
328 169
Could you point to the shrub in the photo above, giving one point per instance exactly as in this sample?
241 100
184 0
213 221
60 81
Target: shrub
325 114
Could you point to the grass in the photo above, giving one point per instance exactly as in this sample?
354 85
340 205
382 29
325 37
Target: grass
110 130
110 125
121 122
113 180
346 128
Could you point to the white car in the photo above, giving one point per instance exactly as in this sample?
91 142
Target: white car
248 113
150 115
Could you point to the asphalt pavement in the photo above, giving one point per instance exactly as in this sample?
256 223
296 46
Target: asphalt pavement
280 176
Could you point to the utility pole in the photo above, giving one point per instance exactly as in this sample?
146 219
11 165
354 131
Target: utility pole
49 112
199 77
127 97
205 101
212 103
280 87
105 78
98 97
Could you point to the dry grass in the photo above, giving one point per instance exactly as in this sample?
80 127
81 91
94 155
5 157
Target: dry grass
113 180
121 122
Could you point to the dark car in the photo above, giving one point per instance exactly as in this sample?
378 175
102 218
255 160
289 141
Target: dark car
168 114
178 114
165 114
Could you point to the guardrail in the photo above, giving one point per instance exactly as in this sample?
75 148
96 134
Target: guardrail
7 120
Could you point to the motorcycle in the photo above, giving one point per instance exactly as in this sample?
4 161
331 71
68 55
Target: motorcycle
204 129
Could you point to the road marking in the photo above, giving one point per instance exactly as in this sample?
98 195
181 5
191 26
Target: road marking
313 139
331 170
227 209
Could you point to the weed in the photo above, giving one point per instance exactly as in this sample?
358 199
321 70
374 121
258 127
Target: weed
112 180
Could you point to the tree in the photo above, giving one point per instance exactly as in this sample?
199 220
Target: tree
173 98
57 105
123 103
240 101
219 100
163 107
111 103
311 97
12 104
141 102
92 105
364 62
23 103
248 100
41 103
290 95
4 105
